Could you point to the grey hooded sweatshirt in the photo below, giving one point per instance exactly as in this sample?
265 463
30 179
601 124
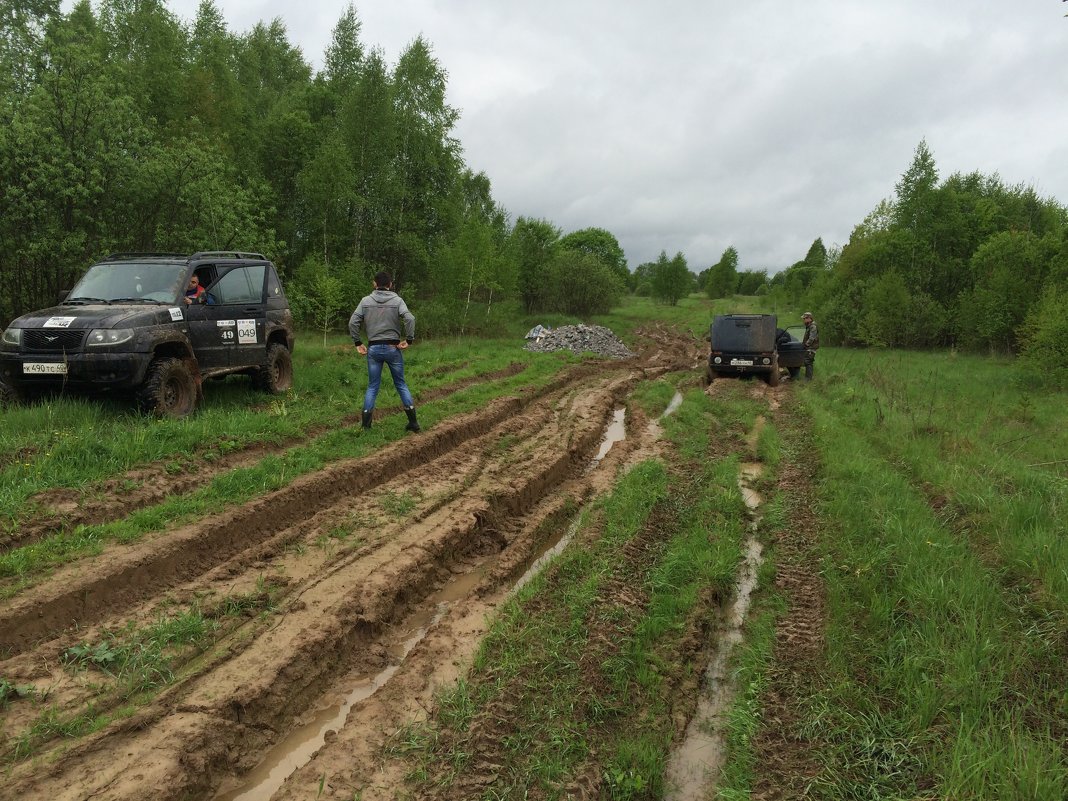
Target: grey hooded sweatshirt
380 315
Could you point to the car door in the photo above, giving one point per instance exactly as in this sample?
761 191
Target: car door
237 300
210 333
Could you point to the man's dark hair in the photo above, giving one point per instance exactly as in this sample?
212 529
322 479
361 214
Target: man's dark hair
383 280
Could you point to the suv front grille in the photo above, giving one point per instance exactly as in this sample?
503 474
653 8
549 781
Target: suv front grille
53 340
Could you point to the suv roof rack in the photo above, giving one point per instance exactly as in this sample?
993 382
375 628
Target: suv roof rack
227 254
144 255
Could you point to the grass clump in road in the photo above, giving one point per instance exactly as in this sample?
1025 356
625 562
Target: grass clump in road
131 665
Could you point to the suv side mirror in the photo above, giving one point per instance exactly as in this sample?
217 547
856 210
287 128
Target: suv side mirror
62 295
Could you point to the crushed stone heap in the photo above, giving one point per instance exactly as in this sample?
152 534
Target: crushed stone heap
579 339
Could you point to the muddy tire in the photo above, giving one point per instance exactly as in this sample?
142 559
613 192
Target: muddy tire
710 376
795 373
773 376
277 377
170 389
10 397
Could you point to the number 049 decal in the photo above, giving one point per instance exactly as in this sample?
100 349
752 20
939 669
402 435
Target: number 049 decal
246 332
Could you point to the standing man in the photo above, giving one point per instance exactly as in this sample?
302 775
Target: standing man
380 315
811 342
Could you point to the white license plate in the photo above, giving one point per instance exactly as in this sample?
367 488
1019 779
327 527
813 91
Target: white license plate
741 362
51 368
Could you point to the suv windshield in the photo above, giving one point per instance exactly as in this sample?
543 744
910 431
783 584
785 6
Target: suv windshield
130 281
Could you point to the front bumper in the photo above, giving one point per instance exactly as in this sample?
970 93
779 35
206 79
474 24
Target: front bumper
83 370
741 363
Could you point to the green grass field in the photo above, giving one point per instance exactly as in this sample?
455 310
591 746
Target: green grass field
939 499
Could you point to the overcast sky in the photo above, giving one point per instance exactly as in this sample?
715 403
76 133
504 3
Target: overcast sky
693 125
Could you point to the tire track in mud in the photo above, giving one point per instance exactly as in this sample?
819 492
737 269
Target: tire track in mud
786 761
329 628
70 597
148 485
352 761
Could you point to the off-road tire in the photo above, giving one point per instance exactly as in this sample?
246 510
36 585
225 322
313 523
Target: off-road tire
710 376
277 377
773 376
170 389
10 397
795 373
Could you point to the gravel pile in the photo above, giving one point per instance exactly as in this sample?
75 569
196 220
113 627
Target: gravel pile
579 339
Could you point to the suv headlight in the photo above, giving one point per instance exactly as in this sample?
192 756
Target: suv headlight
12 336
109 336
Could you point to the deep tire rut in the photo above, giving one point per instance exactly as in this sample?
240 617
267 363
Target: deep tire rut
79 596
252 685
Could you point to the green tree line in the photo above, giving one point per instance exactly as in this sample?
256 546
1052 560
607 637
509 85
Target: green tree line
968 262
124 128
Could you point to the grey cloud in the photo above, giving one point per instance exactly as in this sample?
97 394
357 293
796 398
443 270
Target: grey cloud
692 125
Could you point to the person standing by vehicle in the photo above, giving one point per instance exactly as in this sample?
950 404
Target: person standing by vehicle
811 342
380 315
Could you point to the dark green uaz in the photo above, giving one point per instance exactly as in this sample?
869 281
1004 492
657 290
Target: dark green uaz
140 323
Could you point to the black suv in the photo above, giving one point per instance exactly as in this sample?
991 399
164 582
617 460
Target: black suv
751 344
134 322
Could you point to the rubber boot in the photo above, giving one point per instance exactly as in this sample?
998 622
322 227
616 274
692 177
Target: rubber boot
413 424
366 422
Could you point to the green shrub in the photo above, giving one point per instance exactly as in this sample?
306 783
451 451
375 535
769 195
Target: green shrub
1044 338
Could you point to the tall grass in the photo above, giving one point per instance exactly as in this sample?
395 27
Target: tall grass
943 496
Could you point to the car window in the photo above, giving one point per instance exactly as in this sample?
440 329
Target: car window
240 285
274 286
151 281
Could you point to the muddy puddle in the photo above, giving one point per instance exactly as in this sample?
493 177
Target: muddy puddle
551 548
655 430
616 431
749 472
694 767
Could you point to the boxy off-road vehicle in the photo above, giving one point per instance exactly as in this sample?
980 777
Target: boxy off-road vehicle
128 326
751 344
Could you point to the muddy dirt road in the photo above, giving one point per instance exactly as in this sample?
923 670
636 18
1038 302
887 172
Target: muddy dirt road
271 650
353 592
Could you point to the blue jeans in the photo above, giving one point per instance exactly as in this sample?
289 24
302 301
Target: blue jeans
391 356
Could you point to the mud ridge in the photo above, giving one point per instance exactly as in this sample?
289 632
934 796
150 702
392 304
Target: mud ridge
114 499
77 597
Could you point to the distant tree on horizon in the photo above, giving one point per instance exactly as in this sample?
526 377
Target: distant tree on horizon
722 278
671 279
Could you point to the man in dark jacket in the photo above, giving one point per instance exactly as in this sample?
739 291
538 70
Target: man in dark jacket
381 315
811 342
